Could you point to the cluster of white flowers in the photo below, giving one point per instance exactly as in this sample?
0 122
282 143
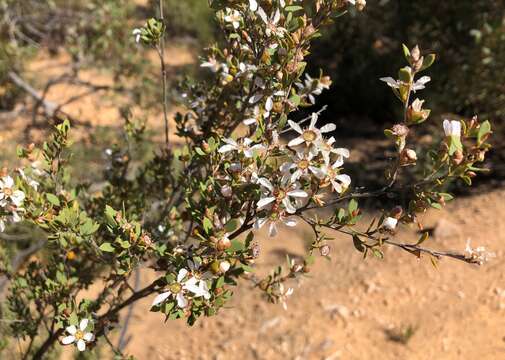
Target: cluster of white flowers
11 202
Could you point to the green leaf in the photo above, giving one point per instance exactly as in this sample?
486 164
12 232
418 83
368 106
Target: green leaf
358 244
406 52
484 129
295 99
282 122
293 8
199 151
353 205
110 215
53 199
207 225
236 245
428 61
231 225
107 247
455 145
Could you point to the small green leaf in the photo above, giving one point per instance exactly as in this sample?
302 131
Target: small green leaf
207 225
107 247
484 129
428 61
406 52
358 244
53 199
353 206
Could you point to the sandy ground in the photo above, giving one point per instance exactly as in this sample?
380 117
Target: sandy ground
345 308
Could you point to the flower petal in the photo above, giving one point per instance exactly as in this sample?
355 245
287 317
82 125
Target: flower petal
81 345
298 193
71 329
83 324
295 127
182 274
161 298
266 183
296 141
181 300
88 337
262 203
328 128
68 340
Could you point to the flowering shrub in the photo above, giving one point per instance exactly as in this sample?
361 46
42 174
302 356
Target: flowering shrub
192 213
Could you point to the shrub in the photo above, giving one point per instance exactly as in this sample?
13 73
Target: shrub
192 213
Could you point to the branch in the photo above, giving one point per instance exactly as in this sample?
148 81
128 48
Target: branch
51 109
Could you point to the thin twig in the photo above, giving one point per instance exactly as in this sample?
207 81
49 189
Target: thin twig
122 342
161 53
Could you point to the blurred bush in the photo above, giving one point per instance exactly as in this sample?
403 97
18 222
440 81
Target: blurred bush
467 35
188 18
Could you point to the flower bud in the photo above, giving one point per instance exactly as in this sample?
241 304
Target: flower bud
223 244
224 266
360 5
226 191
397 212
390 223
206 147
407 157
458 157
416 114
325 250
255 250
400 130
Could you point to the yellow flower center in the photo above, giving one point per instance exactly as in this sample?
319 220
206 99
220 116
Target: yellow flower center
8 191
303 164
79 335
175 288
279 194
309 135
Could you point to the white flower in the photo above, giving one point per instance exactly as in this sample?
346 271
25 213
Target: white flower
201 277
279 195
418 85
8 194
234 17
273 219
390 223
78 336
452 128
242 147
310 135
304 166
339 182
212 64
326 149
271 23
224 266
137 33
178 289
479 255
